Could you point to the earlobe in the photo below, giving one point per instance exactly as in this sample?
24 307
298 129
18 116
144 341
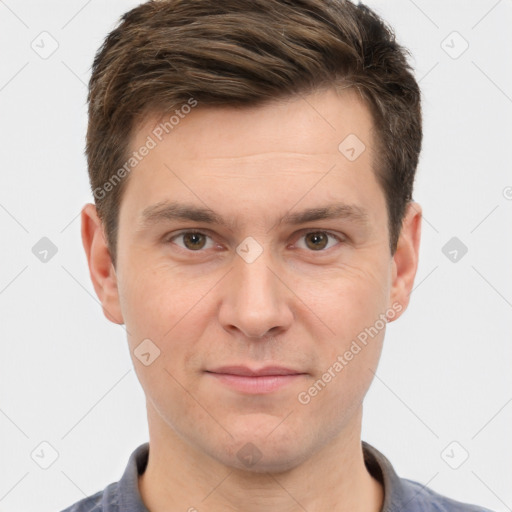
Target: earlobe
101 269
406 257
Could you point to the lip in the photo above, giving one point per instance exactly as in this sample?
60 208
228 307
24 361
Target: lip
255 381
248 372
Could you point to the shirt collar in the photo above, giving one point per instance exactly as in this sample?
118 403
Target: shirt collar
380 468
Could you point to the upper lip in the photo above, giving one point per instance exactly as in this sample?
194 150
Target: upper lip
246 371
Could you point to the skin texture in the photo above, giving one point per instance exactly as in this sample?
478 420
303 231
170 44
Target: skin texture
296 305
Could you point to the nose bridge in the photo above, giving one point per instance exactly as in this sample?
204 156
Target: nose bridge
257 300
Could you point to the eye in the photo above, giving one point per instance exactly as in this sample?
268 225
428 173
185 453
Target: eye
319 240
192 240
195 241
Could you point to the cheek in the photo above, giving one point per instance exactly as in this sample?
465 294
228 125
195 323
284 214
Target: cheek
352 301
333 396
349 297
157 302
172 311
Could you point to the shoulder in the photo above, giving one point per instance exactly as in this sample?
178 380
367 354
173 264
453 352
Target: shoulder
121 496
422 499
405 495
103 501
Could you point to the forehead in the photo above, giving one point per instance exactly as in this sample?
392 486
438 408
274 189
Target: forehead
256 155
305 124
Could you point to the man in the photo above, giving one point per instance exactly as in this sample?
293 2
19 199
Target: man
252 163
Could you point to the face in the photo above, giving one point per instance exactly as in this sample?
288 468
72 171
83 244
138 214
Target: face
287 266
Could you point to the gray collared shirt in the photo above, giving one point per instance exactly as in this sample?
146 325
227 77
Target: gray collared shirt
400 494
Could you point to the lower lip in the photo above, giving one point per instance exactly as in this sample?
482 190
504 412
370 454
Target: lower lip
256 385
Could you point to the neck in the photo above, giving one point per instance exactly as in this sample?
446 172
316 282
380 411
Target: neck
179 477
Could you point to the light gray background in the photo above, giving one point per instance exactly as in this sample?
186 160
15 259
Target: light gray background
66 375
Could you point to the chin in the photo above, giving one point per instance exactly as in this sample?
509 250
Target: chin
249 459
263 450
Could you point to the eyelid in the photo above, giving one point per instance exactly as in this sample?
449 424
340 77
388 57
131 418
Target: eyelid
204 232
337 236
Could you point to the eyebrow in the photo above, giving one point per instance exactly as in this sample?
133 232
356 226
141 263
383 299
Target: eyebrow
169 211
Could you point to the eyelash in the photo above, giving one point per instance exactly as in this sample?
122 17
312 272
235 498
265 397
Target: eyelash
194 232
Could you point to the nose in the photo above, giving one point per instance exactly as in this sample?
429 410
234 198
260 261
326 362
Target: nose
255 301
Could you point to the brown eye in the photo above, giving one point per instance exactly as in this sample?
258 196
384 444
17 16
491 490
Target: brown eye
194 241
317 240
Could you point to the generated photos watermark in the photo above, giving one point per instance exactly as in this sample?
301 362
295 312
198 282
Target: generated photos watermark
357 345
151 142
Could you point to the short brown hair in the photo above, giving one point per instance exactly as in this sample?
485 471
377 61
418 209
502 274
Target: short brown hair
164 53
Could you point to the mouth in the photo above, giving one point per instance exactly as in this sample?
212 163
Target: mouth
255 381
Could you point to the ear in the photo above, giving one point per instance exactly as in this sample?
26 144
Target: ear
405 259
101 268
